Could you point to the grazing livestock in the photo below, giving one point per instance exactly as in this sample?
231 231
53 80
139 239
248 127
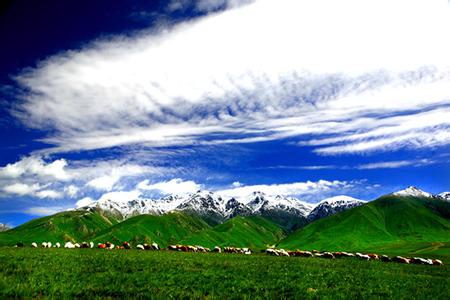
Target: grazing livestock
247 251
303 253
362 256
437 262
126 245
69 245
101 246
44 244
421 261
109 245
91 245
172 247
155 246
57 245
84 245
140 247
217 249
401 259
272 251
19 245
200 248
325 255
343 254
373 256
77 245
385 258
34 245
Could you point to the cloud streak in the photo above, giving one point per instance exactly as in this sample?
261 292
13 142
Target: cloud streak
348 85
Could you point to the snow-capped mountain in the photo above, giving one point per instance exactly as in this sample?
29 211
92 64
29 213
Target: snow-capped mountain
288 211
259 203
445 196
4 227
414 192
332 206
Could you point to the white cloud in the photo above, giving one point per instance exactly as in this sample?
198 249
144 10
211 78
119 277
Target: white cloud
44 210
105 183
236 184
175 186
84 202
48 194
290 189
71 190
21 189
120 196
33 190
318 69
395 164
35 166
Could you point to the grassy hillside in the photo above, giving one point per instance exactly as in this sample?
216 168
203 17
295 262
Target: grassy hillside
390 224
164 230
64 226
254 232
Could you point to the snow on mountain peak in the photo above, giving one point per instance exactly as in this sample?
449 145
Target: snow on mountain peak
333 205
414 192
445 196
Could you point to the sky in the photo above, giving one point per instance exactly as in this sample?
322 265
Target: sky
140 99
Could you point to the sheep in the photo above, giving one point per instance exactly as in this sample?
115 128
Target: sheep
69 245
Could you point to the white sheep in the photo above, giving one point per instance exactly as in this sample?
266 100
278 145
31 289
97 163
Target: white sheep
69 245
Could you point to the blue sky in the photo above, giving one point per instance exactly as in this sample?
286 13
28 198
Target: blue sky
142 99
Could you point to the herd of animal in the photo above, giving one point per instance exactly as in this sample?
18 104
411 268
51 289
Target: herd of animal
369 256
247 251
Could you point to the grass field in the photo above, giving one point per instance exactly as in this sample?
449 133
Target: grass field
30 272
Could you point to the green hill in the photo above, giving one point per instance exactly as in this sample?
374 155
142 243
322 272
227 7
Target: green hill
254 232
166 229
64 226
390 224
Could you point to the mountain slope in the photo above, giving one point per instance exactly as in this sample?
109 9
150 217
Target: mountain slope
165 229
331 206
391 220
64 226
254 232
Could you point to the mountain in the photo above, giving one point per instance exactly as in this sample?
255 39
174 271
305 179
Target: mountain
164 229
414 192
64 226
255 232
290 212
445 196
4 227
391 224
332 206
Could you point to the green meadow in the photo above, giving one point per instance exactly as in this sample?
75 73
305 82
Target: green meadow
89 273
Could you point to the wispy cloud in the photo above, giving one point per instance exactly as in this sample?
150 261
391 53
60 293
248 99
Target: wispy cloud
44 210
175 186
305 190
395 164
264 71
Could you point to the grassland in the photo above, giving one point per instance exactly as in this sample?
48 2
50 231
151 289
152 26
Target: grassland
164 230
254 232
388 225
64 226
27 272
